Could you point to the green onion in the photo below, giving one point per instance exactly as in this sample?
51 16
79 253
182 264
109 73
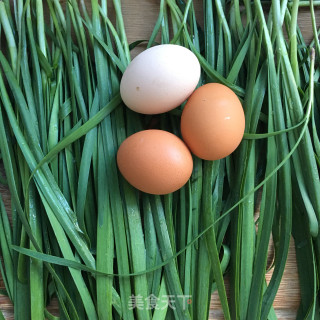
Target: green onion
82 234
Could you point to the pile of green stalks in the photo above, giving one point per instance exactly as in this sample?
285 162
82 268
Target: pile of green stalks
81 236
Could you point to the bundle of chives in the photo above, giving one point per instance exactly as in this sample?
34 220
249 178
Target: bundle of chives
62 120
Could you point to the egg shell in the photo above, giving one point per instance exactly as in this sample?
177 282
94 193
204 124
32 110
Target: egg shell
212 122
159 79
155 161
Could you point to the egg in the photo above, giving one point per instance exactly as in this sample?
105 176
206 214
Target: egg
159 79
155 161
212 122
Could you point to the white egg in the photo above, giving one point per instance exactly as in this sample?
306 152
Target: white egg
159 79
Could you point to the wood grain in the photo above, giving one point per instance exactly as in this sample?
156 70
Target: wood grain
287 299
140 17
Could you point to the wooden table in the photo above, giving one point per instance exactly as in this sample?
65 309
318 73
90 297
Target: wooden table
138 28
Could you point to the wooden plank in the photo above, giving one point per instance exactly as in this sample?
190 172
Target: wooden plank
287 299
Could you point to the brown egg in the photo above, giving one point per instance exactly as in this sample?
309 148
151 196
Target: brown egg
212 122
155 161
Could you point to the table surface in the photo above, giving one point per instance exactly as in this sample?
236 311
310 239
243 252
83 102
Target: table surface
140 17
